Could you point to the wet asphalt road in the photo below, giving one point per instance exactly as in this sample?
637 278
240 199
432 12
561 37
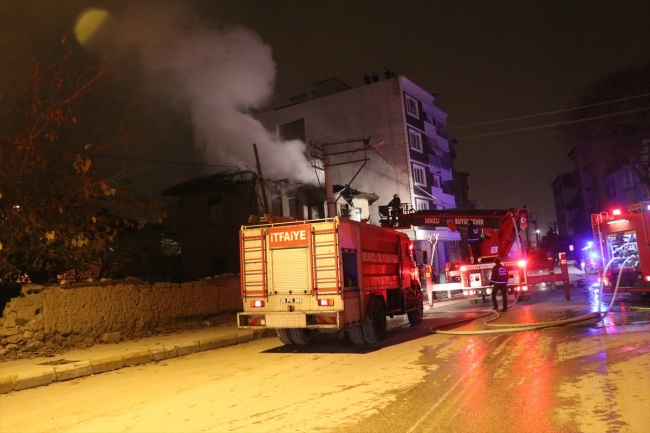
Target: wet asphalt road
590 376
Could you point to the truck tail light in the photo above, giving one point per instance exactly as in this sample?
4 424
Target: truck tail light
517 289
257 303
465 293
325 302
524 288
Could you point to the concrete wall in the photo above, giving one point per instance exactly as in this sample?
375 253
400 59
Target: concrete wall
59 316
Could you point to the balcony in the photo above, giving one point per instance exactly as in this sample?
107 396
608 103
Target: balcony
430 129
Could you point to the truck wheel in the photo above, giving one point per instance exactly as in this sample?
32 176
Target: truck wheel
416 316
283 334
302 335
355 334
375 329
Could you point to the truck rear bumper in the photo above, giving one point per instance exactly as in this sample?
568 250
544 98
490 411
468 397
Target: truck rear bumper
478 292
284 320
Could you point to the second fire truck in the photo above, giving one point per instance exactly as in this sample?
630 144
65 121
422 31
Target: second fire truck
500 238
622 240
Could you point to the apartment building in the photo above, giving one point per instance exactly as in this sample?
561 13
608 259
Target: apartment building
386 137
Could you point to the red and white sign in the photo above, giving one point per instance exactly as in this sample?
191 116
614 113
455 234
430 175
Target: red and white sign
288 237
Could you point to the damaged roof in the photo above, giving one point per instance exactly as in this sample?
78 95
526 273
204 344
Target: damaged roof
209 183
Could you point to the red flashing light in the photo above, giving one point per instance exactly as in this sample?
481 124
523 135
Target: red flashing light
521 263
257 303
616 212
325 302
524 288
463 268
647 277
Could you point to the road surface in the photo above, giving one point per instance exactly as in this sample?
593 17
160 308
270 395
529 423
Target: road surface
592 376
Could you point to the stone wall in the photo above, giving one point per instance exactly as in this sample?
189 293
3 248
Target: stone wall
58 316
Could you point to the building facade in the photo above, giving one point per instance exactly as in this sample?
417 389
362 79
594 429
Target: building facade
387 137
622 188
599 190
565 196
212 209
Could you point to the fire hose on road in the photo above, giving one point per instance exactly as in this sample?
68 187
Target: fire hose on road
514 327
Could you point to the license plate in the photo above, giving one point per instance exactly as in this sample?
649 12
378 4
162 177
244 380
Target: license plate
290 300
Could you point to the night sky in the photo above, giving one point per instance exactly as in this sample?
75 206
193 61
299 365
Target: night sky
488 60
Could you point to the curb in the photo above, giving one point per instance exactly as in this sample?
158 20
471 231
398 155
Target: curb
44 375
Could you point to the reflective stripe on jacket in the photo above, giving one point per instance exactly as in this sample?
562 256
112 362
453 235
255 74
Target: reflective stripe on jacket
473 234
499 275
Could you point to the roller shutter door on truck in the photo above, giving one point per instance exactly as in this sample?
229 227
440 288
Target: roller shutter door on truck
290 270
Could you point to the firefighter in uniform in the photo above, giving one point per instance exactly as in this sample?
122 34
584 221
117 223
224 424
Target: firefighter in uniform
395 209
474 241
499 280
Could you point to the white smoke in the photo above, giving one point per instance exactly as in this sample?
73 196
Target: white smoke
219 75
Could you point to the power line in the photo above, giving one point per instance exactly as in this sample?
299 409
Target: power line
548 112
128 158
568 122
543 135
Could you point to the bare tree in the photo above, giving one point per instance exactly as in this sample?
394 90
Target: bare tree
617 122
59 211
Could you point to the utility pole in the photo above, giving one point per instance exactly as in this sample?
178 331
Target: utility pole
329 188
261 179
326 154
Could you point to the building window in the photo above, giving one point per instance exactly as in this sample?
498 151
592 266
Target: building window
411 106
216 211
437 181
421 204
315 214
292 131
415 140
293 211
345 211
628 180
357 214
419 175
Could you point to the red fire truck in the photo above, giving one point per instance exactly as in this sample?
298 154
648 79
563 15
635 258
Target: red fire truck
500 238
624 237
326 275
